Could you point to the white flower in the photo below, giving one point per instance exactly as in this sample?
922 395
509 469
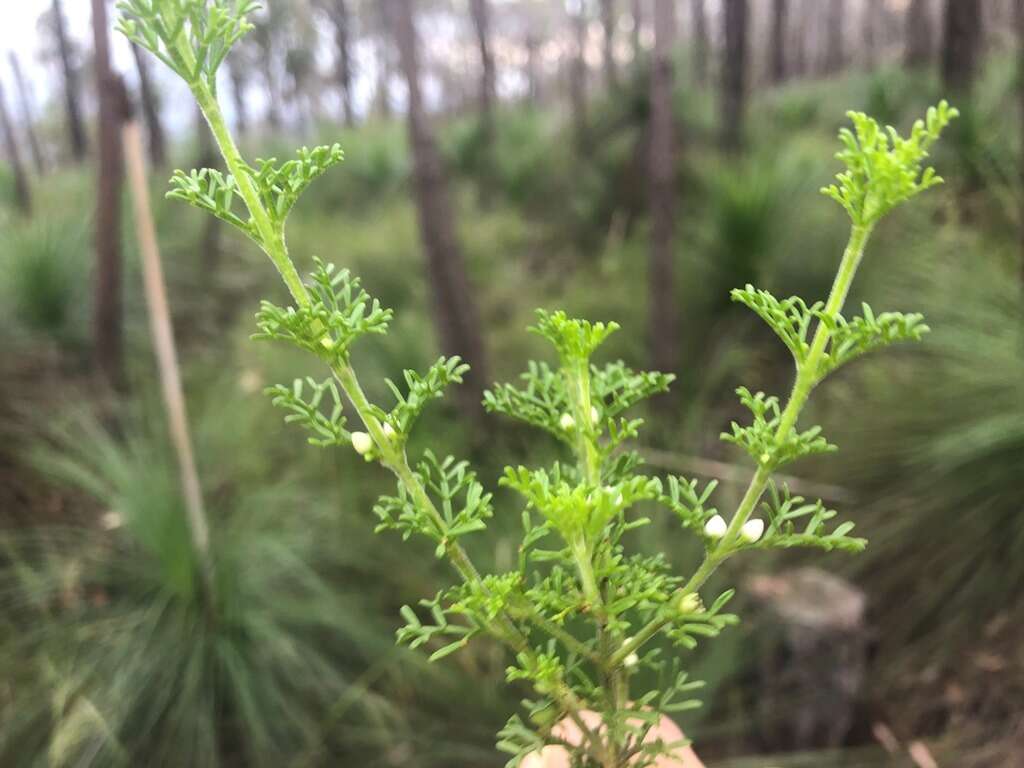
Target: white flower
567 422
594 415
752 529
716 527
632 659
111 520
689 603
389 431
362 442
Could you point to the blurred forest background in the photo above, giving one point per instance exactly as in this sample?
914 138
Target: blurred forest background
627 160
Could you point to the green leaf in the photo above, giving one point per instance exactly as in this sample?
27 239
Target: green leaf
328 430
851 339
882 168
759 438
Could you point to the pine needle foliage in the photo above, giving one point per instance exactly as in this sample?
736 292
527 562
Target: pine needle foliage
579 612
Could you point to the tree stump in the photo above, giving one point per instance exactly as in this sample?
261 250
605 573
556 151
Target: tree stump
813 656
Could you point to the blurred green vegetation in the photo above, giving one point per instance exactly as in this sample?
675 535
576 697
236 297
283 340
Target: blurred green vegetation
112 655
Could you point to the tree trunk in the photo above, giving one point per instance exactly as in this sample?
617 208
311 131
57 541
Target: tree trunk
609 19
28 115
1018 8
150 110
919 33
107 319
532 69
835 21
799 41
455 312
701 41
637 12
22 193
238 77
488 97
874 14
578 75
76 130
341 17
777 67
961 44
663 316
734 74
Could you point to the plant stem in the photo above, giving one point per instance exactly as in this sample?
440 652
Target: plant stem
808 375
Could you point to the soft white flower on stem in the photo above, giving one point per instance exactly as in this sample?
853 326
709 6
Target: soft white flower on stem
389 431
752 529
567 422
362 442
716 527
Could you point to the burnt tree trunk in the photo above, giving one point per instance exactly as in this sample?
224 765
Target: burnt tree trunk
341 17
663 316
532 69
578 75
608 24
1018 8
487 98
919 34
835 21
701 41
734 74
874 13
76 130
22 193
777 45
455 312
961 44
150 110
28 115
113 106
636 11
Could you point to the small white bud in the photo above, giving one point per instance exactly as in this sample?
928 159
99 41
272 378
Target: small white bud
632 659
716 527
766 457
362 442
389 431
594 415
567 422
752 529
111 520
689 603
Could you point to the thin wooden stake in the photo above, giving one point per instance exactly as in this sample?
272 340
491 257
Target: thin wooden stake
163 342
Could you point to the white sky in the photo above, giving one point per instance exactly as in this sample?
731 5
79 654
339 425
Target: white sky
18 33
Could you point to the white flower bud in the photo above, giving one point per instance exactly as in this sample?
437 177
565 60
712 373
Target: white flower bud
362 442
111 520
632 659
752 529
689 603
567 422
389 431
716 527
594 415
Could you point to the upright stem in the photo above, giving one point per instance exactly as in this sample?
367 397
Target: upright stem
808 375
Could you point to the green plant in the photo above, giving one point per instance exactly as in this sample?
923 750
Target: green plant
118 656
578 612
43 275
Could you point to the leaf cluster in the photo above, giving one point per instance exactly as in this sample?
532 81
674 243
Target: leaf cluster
192 37
339 312
882 168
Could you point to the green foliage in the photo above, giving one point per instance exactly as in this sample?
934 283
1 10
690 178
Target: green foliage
122 658
884 169
42 275
339 313
327 430
192 37
762 441
578 612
